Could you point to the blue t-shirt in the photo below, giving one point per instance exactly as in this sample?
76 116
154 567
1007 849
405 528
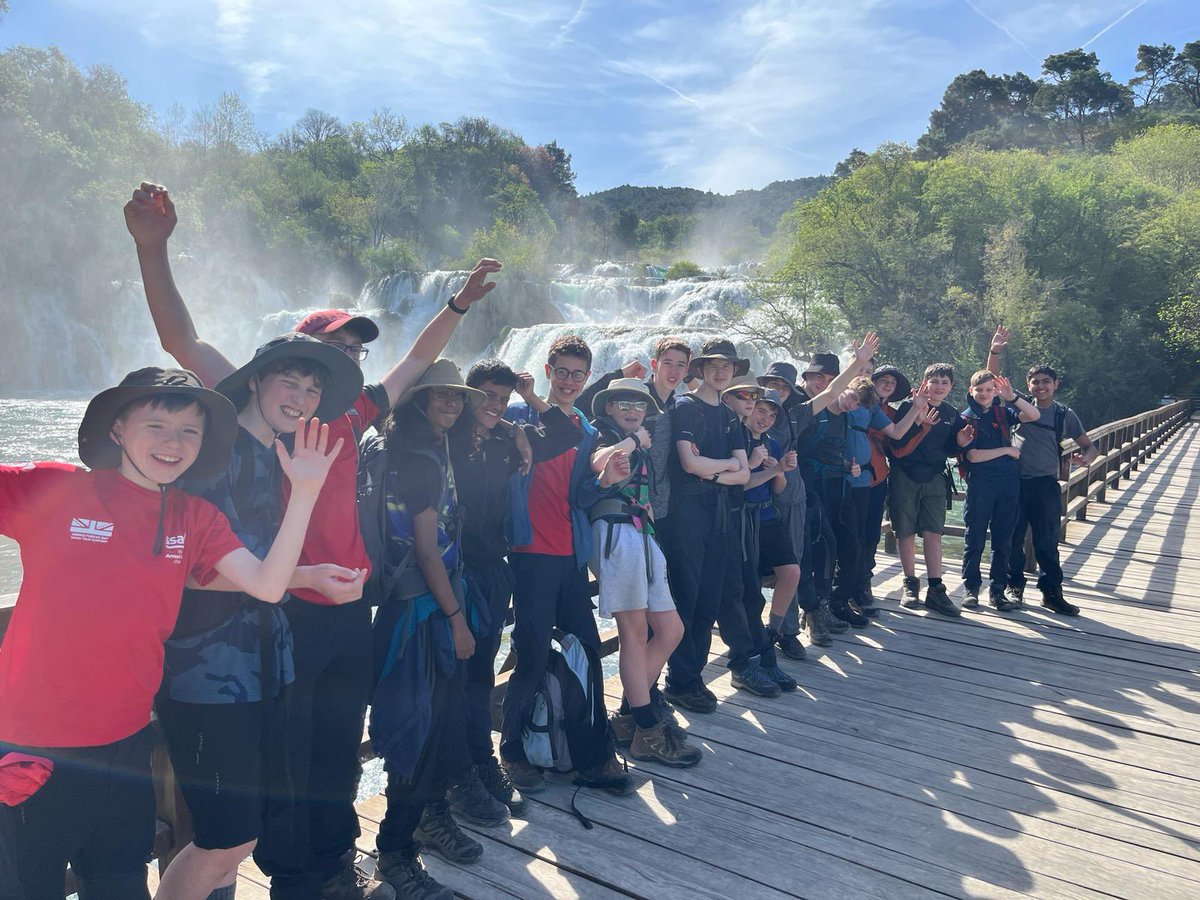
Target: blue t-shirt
989 435
763 494
858 447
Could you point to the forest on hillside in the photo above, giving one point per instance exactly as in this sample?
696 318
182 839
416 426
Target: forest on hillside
1066 204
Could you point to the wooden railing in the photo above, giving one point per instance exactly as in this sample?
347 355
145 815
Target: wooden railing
1123 446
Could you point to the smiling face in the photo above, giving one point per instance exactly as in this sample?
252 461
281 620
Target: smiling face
939 388
815 382
763 417
778 384
442 407
717 373
567 374
628 420
159 444
741 401
491 411
282 398
984 392
669 370
1043 386
885 386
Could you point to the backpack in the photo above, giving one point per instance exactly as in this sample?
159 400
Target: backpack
1060 422
964 464
567 728
385 579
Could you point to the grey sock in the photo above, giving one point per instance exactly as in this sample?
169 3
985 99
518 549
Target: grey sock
223 893
776 623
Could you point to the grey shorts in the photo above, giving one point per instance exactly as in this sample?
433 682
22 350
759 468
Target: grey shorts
916 507
624 585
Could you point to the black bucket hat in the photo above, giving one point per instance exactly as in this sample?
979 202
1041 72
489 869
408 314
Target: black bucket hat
903 386
719 348
824 364
339 392
98 450
784 371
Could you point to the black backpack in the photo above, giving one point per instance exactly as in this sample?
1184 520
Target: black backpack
567 729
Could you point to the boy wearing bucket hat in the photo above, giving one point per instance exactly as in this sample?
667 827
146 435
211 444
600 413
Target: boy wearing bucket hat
424 634
317 828
109 551
632 572
229 658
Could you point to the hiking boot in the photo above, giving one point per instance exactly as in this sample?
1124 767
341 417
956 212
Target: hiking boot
524 777
869 611
786 682
623 727
406 874
700 700
352 883
1016 595
789 644
437 831
1000 601
755 680
609 776
832 623
911 598
818 634
970 597
848 614
470 800
665 713
659 744
939 601
1053 600
494 778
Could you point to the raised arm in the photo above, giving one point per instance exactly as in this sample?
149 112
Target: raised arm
999 341
863 353
150 217
1025 410
433 339
268 579
920 405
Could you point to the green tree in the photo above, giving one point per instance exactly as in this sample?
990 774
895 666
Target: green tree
1079 95
1156 64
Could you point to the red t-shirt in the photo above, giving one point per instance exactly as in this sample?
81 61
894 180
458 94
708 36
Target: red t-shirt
549 503
333 534
83 655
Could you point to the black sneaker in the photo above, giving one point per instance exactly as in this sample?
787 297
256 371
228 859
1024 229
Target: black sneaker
525 777
407 876
1053 600
786 682
970 597
352 883
437 831
1016 595
999 600
869 611
939 601
753 678
494 778
833 624
697 701
911 598
470 800
609 776
848 614
789 644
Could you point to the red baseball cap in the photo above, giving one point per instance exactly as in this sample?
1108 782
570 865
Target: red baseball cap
324 321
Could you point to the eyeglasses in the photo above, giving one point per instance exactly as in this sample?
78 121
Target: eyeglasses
631 405
745 395
354 351
447 395
573 374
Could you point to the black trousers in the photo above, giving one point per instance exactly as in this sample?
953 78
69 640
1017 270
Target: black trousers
845 508
548 591
311 822
96 812
740 617
491 588
991 503
1038 508
872 529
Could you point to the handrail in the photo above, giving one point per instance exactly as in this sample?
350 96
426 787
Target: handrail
1123 447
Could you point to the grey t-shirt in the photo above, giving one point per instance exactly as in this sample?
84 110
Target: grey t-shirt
1039 450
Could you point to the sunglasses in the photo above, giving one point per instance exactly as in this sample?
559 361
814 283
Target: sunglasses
631 405
745 395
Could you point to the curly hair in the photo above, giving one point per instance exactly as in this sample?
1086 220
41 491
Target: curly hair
570 345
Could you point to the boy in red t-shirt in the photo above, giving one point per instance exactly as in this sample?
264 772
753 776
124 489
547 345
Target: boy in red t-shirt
308 840
106 555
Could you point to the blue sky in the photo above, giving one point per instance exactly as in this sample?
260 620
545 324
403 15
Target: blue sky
715 95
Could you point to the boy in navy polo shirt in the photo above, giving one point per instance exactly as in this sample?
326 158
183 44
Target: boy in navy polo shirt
993 485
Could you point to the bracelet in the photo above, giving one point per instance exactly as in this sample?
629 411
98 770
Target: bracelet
450 305
457 610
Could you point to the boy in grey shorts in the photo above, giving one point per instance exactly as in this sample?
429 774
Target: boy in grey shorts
631 570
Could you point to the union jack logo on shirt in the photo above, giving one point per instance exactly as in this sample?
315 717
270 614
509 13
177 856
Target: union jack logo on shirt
91 530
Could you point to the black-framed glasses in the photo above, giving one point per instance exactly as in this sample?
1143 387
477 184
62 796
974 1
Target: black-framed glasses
573 374
354 351
631 405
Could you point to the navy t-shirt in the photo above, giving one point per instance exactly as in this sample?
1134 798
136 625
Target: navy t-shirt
989 435
714 429
929 458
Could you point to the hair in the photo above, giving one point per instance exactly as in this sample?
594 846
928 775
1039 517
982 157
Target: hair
297 365
983 376
407 426
570 345
667 344
864 389
1042 369
170 402
940 370
494 370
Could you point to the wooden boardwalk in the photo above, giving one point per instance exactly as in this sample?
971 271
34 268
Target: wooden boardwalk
993 756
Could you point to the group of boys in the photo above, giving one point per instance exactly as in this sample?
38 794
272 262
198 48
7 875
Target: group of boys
681 492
